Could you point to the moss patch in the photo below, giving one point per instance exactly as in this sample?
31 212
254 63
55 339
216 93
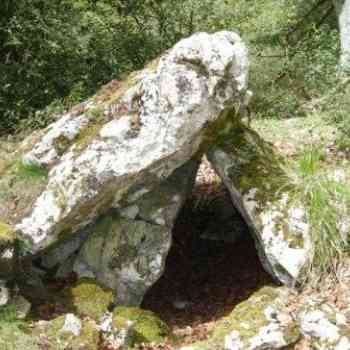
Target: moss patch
250 312
87 298
56 339
7 234
247 319
147 327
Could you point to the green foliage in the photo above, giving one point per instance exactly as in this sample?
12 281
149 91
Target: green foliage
14 333
59 52
327 200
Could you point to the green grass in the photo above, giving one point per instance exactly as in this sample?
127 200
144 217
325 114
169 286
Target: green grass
327 201
32 172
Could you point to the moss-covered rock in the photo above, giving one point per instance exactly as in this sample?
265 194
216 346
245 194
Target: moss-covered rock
7 235
261 322
88 298
68 332
146 326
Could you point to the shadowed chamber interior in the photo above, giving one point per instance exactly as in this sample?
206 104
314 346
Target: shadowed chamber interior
211 266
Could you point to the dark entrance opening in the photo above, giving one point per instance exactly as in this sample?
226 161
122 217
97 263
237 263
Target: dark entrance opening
211 266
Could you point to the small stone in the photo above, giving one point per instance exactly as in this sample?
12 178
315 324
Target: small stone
72 324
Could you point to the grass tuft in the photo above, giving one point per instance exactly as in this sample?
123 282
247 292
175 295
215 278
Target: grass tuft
327 200
30 172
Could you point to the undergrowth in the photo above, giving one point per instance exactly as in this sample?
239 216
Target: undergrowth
327 201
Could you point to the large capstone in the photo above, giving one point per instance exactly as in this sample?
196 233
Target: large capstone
137 133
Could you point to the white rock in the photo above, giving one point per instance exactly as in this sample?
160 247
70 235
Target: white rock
233 341
325 326
46 152
193 84
72 324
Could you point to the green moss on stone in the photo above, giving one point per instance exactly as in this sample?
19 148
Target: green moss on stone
247 317
147 327
61 144
7 234
87 135
89 299
57 339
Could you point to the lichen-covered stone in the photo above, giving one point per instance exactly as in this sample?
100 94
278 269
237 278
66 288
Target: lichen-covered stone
126 250
261 322
125 255
146 326
58 255
263 193
57 139
68 332
325 326
152 128
87 298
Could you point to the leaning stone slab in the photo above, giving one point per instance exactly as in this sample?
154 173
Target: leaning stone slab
127 249
263 193
142 130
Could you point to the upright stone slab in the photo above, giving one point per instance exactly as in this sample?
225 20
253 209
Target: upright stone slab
262 192
132 133
127 249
